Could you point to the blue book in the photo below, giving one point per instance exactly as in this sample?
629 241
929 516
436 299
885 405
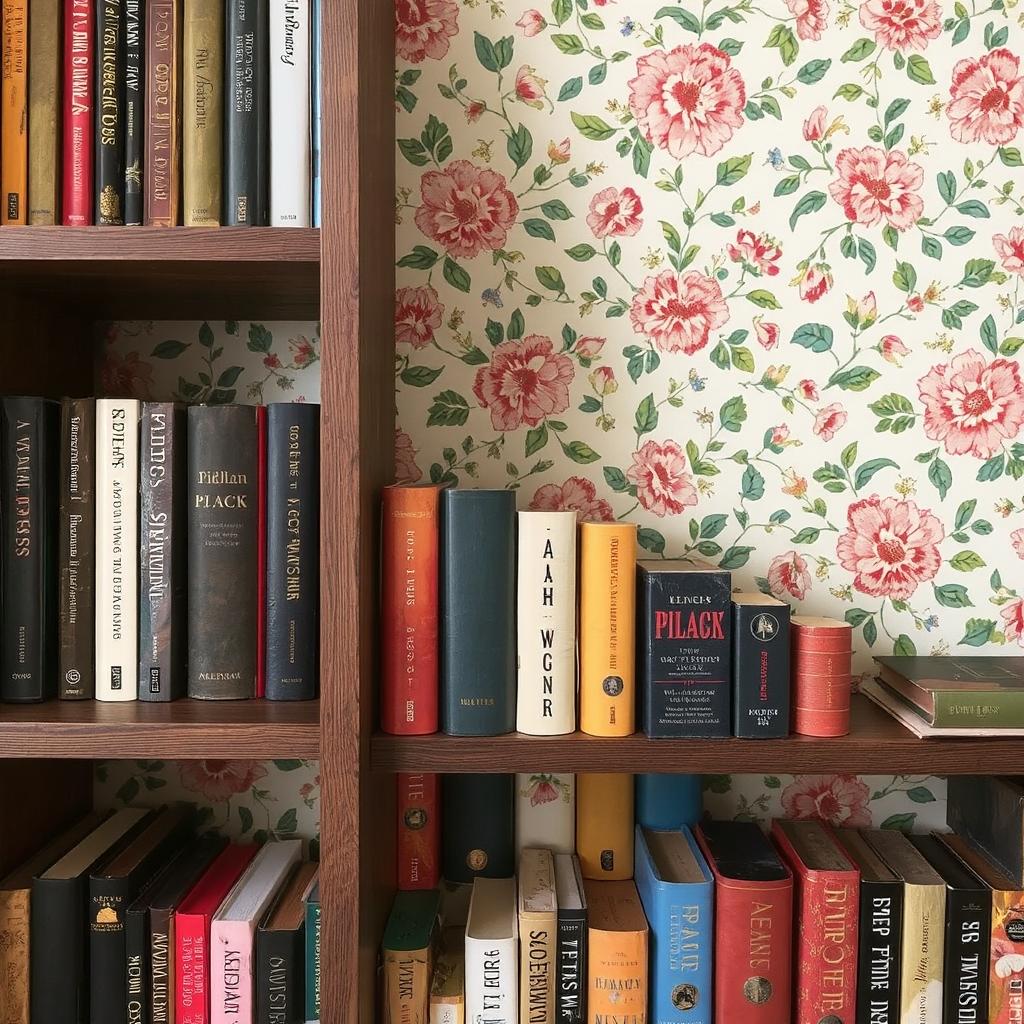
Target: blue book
314 107
668 801
675 886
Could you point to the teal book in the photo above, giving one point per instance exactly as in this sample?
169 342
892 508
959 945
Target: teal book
675 886
668 801
313 954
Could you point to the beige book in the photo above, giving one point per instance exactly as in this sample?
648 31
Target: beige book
202 112
538 936
448 985
44 69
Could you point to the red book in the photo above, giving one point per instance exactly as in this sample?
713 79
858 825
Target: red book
261 551
827 904
753 921
409 602
419 831
79 19
192 934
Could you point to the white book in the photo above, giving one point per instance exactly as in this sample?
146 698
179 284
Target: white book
290 139
546 812
546 623
117 549
492 953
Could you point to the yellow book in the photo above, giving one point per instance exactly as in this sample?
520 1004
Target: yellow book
617 963
14 112
538 936
608 628
448 985
203 112
408 957
44 68
604 824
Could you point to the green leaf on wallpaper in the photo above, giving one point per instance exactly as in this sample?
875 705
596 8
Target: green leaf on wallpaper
787 186
1010 155
752 484
228 378
861 49
720 356
867 470
245 819
615 254
903 646
590 404
723 220
892 404
205 335
763 298
849 91
958 235
580 452
597 74
894 110
919 70
900 822
870 632
536 438
169 349
551 278
1011 346
646 416
730 46
581 252
642 150
516 324
941 476
732 170
494 331
712 526
946 181
965 512
977 273
735 557
519 146
782 38
556 210
422 257
456 275
856 378
733 413
931 247
536 227
413 151
989 334
992 469
568 43
420 376
571 88
287 823
855 616
849 455
449 409
973 208
592 21
743 359
977 632
921 795
128 790
615 479
810 203
813 71
592 127
952 595
485 52
685 19
806 535
967 561
561 11
650 540
904 277
772 782
816 337
867 254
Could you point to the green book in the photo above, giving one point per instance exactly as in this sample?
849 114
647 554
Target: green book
313 954
408 947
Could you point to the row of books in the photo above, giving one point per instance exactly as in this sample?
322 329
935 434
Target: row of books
132 917
480 609
201 112
148 550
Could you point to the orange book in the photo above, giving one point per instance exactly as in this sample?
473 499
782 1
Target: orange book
14 112
604 824
617 953
608 628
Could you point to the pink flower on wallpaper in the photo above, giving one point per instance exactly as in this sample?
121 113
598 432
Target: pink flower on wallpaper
902 24
524 382
406 470
1017 540
475 110
663 486
915 303
559 152
530 87
465 208
788 575
808 389
816 281
874 184
602 380
589 347
302 350
678 311
815 124
532 23
971 405
1011 250
218 781
811 17
890 546
987 99
760 254
577 493
615 213
838 800
767 333
126 376
829 420
893 350
423 28
1012 614
688 100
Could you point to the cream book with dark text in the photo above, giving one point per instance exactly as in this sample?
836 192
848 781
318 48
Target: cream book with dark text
290 139
538 936
492 952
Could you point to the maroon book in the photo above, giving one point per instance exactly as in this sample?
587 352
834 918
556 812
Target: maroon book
78 112
261 557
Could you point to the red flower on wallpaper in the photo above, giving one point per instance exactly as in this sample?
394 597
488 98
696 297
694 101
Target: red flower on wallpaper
465 208
971 405
524 382
688 100
987 99
840 800
577 494
788 575
760 254
890 546
811 17
874 184
218 781
303 351
678 311
815 282
829 420
418 314
1012 614
423 28
663 485
615 213
1011 250
406 470
816 124
902 24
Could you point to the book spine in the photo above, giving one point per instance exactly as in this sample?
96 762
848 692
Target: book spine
315 105
137 966
478 836
419 831
293 550
546 623
44 71
203 108
406 986
28 496
231 971
59 983
313 961
546 811
77 109
246 122
108 199
607 629
14 956
108 995
993 709
878 952
261 551
760 699
989 811
162 157
77 613
162 966
117 550
222 521
668 801
571 996
409 610
134 108
191 970
924 914
538 957
162 549
617 976
965 973
14 112
492 990
604 824
290 141
279 977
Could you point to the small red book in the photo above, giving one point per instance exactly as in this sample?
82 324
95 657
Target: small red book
192 933
261 551
827 905
419 831
79 19
753 921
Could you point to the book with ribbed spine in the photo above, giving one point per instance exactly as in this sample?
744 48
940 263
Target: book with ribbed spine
14 112
44 73
203 112
546 811
162 153
571 994
618 966
77 109
492 952
604 824
108 199
478 836
290 140
134 113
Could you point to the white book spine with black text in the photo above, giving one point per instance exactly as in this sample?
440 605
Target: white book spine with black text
546 811
117 549
546 623
492 953
290 140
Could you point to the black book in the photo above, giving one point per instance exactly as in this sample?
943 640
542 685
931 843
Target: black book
571 986
28 559
162 551
478 612
222 551
760 666
989 811
109 121
134 119
478 835
684 649
293 550
247 114
968 933
881 932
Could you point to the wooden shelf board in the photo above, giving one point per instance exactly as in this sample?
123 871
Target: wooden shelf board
182 729
877 743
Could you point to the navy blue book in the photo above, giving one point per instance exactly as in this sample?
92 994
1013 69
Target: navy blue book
668 801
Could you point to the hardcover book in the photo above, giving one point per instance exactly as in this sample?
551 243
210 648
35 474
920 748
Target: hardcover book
45 63
162 155
290 140
134 108
419 830
546 811
617 953
203 112
312 901
492 952
668 800
686 649
14 112
109 123
478 831
604 824
448 984
760 674
538 934
988 810
571 995
546 623
315 106
677 889
79 25
408 947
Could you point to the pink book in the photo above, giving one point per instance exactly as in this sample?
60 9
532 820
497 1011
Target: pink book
233 931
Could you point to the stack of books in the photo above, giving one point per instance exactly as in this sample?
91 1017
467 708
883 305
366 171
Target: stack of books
151 551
